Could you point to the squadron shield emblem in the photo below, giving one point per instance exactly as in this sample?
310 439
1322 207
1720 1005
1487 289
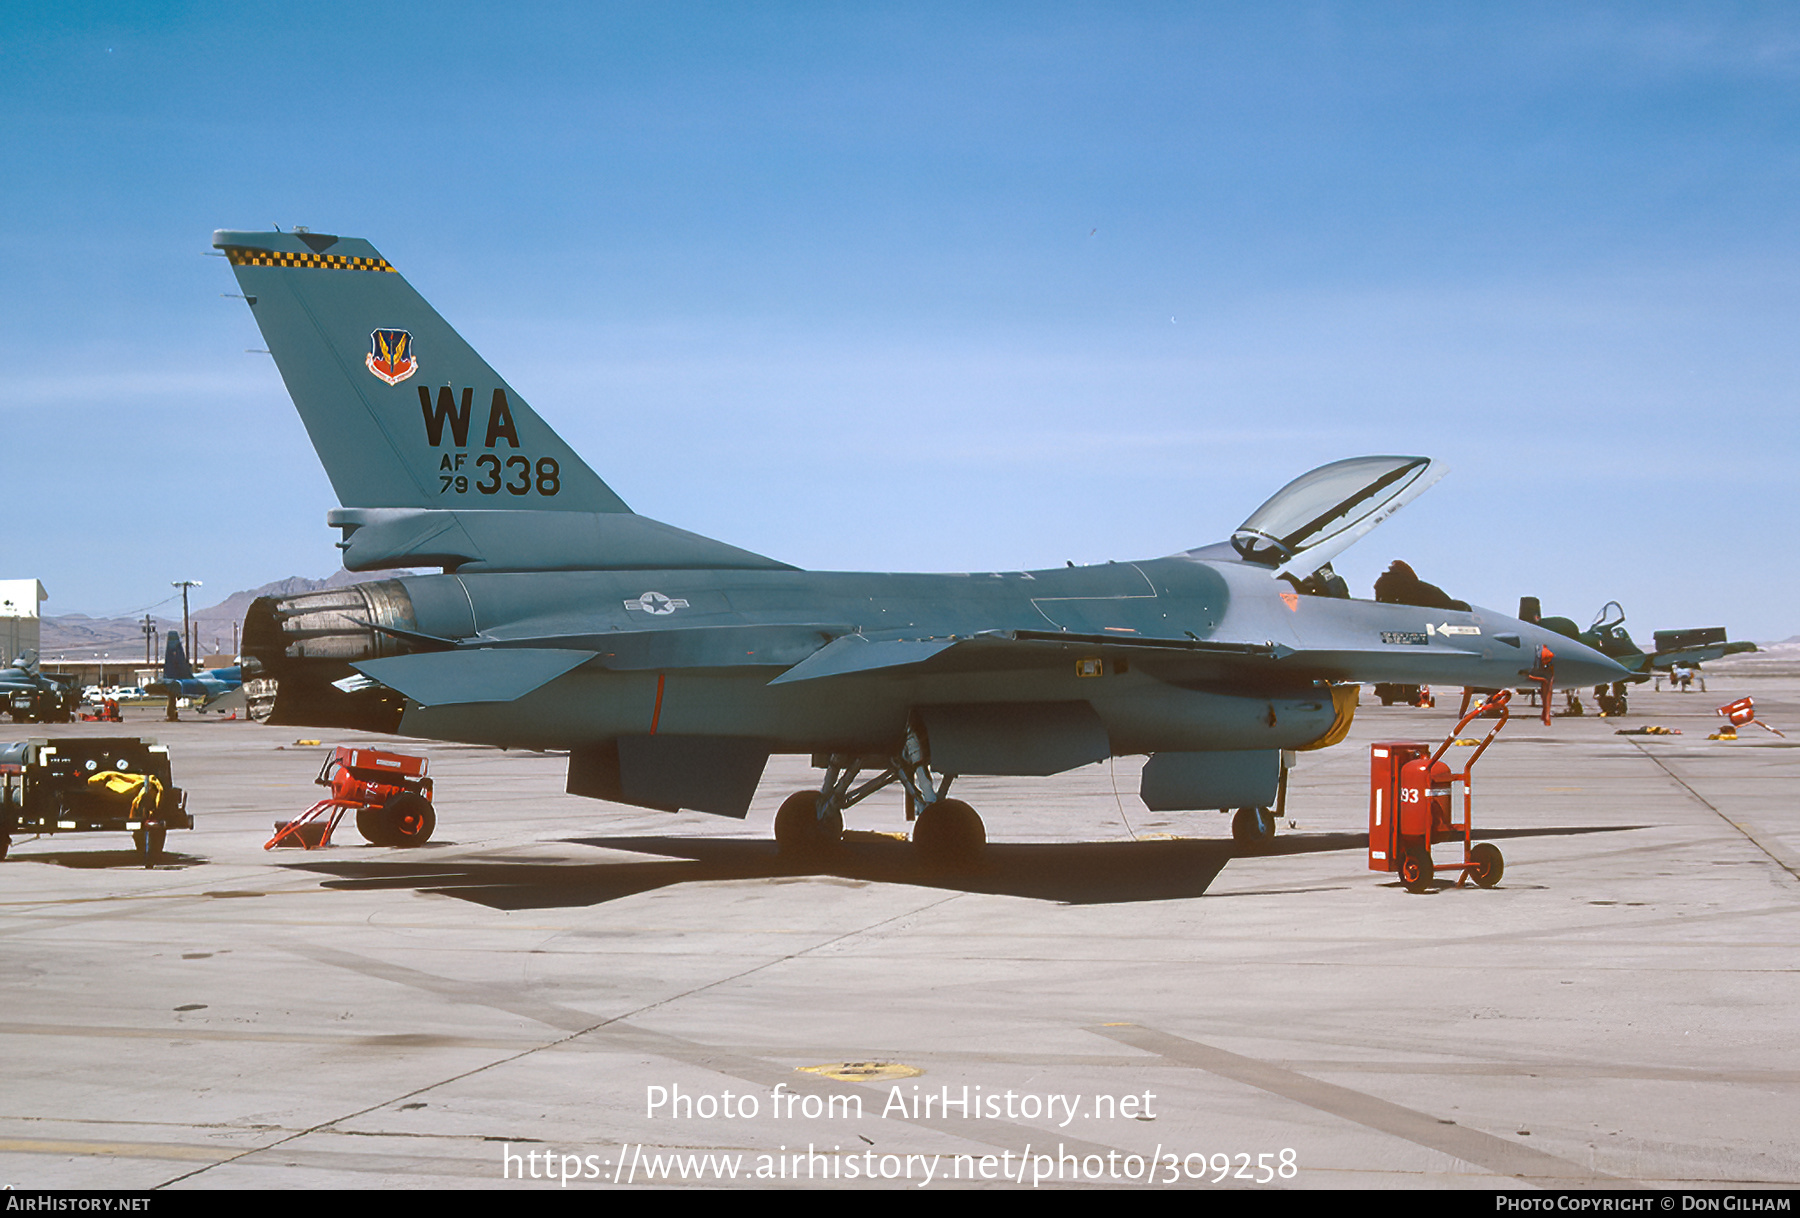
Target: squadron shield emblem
390 355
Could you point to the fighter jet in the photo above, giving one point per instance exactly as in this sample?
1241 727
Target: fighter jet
671 666
32 696
179 680
1607 634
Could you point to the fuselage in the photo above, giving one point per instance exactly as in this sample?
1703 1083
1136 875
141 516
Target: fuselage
1184 653
214 683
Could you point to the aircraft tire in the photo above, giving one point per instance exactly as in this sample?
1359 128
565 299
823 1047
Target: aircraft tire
950 831
799 832
1254 827
407 820
1489 865
1415 867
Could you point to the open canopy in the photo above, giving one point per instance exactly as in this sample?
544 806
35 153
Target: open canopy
1312 519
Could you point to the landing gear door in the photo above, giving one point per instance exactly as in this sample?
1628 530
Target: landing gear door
1317 516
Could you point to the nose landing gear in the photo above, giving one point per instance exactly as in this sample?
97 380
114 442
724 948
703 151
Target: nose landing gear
1253 827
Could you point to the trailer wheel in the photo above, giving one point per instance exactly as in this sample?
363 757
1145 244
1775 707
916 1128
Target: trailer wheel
369 824
5 845
149 843
1415 868
1489 866
408 819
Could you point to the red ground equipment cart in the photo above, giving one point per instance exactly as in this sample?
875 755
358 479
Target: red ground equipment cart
389 793
1410 805
1744 711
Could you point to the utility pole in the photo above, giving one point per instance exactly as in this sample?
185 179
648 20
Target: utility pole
184 585
149 639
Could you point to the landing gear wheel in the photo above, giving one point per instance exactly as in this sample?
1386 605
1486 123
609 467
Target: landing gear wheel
950 831
1415 867
798 830
1254 827
1489 866
149 844
407 819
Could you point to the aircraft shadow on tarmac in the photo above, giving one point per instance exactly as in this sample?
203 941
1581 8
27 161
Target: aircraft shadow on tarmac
1073 873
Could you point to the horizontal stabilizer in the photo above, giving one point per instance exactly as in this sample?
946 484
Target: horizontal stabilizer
854 653
491 674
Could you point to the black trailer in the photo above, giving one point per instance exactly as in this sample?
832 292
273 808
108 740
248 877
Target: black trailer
48 702
92 784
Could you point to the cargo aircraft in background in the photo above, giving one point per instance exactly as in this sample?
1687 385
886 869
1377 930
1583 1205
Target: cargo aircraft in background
671 666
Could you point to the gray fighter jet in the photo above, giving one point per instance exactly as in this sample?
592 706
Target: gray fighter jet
671 666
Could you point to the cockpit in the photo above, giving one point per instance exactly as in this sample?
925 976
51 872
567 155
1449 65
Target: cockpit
1312 519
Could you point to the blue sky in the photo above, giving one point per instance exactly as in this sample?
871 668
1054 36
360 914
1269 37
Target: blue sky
944 287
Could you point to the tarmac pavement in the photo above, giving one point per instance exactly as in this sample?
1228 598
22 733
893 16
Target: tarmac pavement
554 986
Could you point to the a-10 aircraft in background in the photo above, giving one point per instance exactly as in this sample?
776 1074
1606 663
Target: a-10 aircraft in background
1607 634
179 680
671 666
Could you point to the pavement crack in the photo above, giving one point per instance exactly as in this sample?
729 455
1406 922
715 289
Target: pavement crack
1775 853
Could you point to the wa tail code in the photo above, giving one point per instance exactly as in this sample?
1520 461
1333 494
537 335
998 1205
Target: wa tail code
448 410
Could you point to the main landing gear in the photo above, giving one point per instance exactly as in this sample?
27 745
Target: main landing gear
946 832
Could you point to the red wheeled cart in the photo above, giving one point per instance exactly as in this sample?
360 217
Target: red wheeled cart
388 791
1410 805
1744 711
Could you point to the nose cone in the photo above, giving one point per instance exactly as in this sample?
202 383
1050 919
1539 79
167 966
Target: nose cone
1576 664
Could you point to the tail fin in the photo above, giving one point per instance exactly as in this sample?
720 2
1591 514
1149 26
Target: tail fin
175 661
402 412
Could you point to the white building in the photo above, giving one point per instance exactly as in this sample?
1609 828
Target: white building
19 616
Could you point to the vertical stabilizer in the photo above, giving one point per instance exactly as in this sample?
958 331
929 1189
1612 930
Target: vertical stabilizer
175 661
402 412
